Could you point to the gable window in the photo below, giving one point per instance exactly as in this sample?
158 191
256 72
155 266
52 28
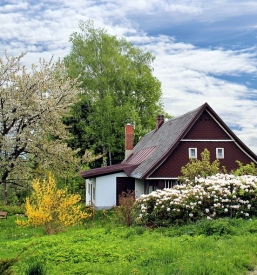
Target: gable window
220 153
192 153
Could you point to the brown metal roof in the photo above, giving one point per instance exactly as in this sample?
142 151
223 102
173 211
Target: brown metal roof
127 168
140 156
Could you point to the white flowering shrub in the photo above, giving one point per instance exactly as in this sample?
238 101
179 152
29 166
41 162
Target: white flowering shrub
212 197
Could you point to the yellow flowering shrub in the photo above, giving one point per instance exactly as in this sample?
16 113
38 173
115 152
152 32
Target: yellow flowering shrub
52 208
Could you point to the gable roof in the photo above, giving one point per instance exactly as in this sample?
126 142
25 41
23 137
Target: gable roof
154 148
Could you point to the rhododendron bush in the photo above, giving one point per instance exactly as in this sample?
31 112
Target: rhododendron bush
212 197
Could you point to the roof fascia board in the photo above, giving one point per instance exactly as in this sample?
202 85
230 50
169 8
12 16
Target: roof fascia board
208 140
164 157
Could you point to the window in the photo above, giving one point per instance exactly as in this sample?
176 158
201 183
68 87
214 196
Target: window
193 153
88 188
94 193
220 153
170 183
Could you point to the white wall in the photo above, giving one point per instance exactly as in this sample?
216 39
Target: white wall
139 187
106 190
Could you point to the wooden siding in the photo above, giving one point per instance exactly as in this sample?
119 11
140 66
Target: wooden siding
206 128
172 166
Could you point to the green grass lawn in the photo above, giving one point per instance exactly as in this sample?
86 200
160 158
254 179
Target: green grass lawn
210 247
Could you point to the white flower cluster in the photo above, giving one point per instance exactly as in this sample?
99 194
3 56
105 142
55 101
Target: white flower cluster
216 196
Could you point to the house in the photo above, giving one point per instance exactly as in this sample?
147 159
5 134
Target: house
156 161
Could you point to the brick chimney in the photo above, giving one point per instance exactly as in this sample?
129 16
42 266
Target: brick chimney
159 121
128 140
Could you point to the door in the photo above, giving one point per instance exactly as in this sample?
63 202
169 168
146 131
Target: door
124 185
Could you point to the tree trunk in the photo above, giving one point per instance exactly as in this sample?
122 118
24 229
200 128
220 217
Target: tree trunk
104 158
5 193
110 157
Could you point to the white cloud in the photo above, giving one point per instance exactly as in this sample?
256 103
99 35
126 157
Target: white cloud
190 75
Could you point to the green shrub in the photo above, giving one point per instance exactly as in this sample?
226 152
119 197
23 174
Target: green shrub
217 227
248 169
13 209
125 211
36 268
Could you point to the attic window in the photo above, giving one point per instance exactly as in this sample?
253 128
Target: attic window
192 153
220 153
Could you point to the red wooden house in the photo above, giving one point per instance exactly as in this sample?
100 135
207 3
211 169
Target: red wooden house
156 161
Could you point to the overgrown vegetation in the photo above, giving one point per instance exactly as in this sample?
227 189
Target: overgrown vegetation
223 246
125 212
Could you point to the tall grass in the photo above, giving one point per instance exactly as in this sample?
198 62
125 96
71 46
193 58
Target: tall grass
225 246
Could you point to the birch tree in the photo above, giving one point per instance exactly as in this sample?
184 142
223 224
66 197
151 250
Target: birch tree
31 107
118 88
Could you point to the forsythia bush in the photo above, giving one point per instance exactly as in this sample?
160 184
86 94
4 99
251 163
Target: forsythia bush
212 197
52 208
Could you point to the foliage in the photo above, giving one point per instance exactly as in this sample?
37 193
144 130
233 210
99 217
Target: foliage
52 208
36 268
137 250
118 88
13 209
213 197
6 264
125 211
202 167
248 169
31 130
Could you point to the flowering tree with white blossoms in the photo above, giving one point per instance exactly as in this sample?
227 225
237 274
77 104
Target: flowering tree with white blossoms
212 197
31 107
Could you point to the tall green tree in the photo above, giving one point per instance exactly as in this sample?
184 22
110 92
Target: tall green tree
118 88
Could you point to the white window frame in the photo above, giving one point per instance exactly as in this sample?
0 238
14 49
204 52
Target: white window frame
217 153
189 153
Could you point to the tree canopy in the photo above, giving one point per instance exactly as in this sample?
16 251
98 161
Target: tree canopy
118 88
31 131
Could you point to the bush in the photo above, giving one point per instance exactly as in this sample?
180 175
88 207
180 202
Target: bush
197 167
248 169
13 209
125 211
36 268
52 208
214 197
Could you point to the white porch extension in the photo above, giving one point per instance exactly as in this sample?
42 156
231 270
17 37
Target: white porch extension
101 192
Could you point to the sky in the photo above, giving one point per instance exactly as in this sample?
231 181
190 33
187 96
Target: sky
206 51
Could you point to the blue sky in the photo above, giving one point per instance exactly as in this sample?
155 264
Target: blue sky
206 51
